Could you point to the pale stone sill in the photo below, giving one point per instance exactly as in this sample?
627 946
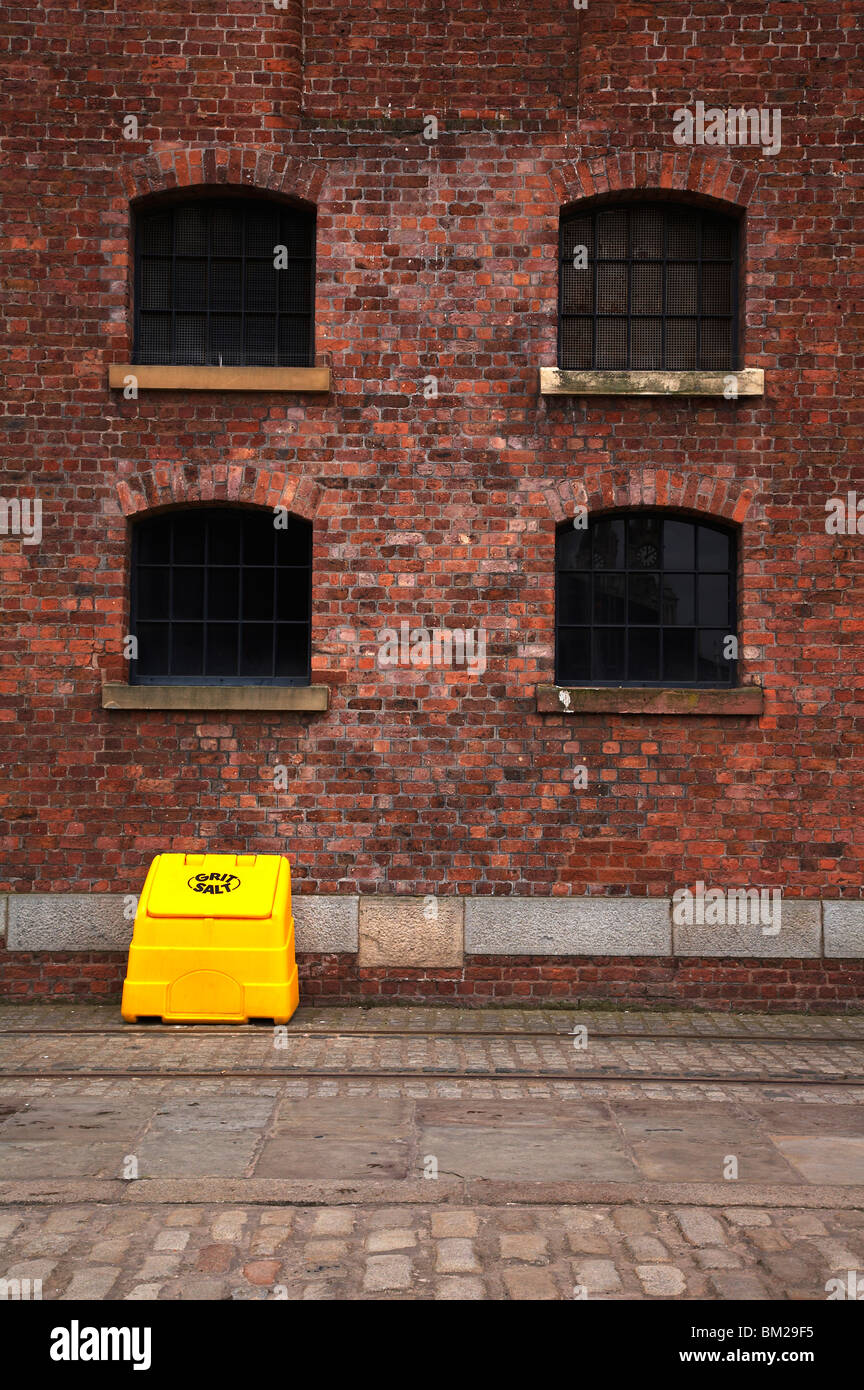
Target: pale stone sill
614 699
116 695
158 378
746 381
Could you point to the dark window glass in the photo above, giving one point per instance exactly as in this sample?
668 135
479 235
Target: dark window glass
644 599
574 596
153 645
678 654
221 596
222 648
209 292
288 660
608 599
223 592
608 544
154 591
610 657
678 542
644 602
574 652
678 600
711 661
648 286
187 649
644 652
292 595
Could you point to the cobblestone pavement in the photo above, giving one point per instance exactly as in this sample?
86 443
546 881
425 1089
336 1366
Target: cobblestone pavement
360 1252
449 1019
187 1181
266 1051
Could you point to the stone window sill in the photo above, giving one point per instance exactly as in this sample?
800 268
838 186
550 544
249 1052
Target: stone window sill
583 699
555 381
116 695
158 378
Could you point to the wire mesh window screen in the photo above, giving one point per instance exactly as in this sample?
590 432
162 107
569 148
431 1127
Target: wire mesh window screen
225 283
648 286
645 598
221 596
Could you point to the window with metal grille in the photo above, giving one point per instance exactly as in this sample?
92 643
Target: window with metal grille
648 286
227 282
221 596
645 598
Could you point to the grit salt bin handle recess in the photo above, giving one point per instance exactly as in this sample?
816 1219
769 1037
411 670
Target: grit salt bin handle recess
213 941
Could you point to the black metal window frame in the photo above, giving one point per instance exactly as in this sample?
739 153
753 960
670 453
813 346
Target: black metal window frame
169 616
637 582
717 223
244 206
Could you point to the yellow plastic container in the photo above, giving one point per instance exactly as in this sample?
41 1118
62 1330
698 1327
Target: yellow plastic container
213 941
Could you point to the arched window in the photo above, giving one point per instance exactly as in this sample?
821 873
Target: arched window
645 598
221 596
647 286
224 282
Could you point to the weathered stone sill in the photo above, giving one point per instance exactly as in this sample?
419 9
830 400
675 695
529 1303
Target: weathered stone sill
745 381
116 695
165 378
615 699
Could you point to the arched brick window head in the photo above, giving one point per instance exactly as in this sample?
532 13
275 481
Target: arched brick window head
648 286
224 282
221 596
645 598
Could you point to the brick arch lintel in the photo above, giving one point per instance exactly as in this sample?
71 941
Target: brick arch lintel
171 485
185 166
605 489
688 171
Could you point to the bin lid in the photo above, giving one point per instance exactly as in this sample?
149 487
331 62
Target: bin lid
214 885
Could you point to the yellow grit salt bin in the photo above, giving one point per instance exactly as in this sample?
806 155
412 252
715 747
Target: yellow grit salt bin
213 941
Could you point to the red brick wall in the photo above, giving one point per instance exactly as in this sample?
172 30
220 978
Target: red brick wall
784 986
422 57
434 257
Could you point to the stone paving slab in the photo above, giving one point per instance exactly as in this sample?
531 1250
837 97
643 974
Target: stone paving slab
677 1143
352 1139
832 1158
231 1130
538 1140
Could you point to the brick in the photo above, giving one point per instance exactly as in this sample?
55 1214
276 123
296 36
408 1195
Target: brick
436 255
